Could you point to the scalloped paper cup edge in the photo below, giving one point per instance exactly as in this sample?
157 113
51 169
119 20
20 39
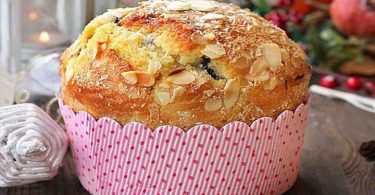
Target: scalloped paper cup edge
262 158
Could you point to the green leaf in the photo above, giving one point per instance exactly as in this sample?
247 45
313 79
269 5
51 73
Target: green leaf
262 7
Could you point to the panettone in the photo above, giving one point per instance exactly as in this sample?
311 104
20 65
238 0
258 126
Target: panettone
183 63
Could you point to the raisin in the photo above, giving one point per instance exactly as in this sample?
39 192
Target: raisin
117 21
203 65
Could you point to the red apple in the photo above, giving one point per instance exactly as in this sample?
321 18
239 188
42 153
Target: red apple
354 17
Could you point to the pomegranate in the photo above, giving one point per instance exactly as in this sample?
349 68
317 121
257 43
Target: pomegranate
305 6
354 17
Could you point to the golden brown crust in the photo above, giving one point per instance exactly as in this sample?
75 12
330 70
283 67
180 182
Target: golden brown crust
183 63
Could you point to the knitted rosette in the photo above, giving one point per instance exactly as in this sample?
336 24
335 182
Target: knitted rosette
32 145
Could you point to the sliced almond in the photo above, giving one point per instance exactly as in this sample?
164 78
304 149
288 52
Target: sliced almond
231 92
242 62
178 6
164 98
213 51
167 59
212 16
178 91
260 65
69 73
153 67
120 12
94 52
212 105
272 54
209 92
209 36
205 6
76 46
263 77
156 3
165 85
130 77
182 78
170 16
201 80
272 83
140 77
145 79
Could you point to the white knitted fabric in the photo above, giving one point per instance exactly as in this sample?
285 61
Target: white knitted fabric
32 145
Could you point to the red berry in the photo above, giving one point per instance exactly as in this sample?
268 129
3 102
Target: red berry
284 16
284 2
278 18
370 87
295 17
353 83
328 81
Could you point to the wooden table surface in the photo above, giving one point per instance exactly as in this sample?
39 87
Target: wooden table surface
331 164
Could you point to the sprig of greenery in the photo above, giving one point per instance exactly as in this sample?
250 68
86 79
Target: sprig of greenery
261 7
326 46
330 48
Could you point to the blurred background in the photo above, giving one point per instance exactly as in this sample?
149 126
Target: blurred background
337 35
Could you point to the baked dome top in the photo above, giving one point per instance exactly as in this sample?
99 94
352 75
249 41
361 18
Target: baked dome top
182 63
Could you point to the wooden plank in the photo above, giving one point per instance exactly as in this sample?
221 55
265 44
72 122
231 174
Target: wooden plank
331 164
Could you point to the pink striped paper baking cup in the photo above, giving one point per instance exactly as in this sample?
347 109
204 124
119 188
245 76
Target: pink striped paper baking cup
262 158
